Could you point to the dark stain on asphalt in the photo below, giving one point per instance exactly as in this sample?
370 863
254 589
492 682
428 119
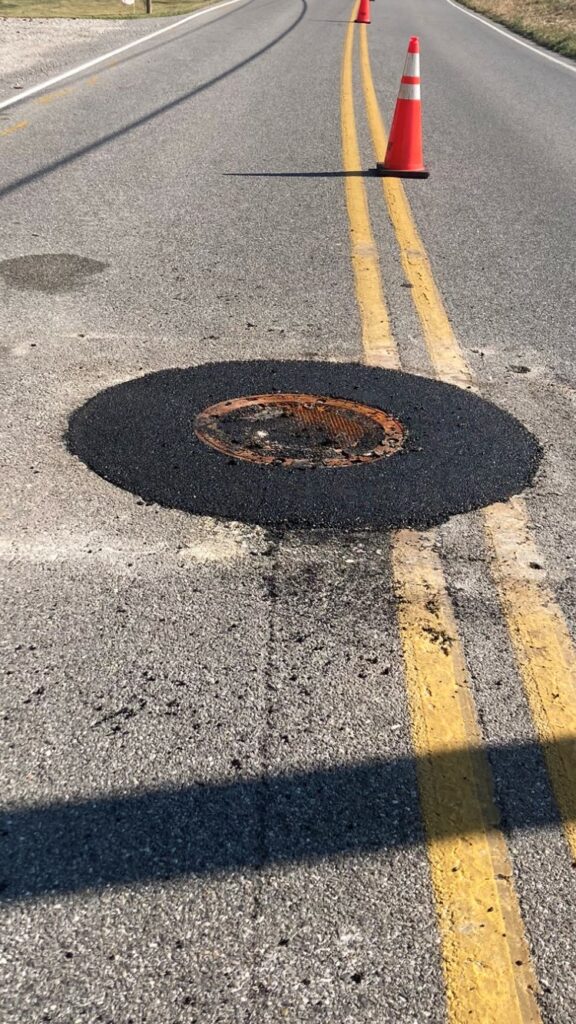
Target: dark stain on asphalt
50 273
462 452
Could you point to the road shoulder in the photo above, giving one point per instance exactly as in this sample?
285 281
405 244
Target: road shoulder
32 49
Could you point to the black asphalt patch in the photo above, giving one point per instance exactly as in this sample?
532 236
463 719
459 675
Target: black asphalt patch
50 272
461 452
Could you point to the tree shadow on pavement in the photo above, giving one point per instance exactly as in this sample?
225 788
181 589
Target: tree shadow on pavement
253 823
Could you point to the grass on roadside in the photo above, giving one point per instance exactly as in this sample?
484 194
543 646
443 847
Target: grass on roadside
551 23
94 8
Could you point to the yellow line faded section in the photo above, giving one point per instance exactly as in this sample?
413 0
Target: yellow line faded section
11 128
544 651
451 366
379 345
57 94
44 100
487 966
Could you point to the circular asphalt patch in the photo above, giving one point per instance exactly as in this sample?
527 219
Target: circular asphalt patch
459 452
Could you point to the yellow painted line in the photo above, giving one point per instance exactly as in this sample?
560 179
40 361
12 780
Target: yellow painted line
438 334
58 94
486 962
13 128
487 966
543 648
379 345
45 100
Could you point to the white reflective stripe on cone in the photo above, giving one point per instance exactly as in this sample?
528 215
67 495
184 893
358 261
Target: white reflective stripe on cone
412 65
409 92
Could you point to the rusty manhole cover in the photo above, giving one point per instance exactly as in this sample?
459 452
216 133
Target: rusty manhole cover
299 430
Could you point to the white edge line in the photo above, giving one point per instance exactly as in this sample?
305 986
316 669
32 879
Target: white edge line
513 38
112 53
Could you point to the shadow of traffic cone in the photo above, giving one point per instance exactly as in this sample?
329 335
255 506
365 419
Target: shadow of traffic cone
404 157
363 16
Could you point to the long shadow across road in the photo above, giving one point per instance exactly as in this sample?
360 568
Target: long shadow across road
328 813
77 154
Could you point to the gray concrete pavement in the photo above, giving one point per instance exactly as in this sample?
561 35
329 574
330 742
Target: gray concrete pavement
150 657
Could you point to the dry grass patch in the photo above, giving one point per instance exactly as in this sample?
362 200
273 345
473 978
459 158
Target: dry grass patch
95 8
551 23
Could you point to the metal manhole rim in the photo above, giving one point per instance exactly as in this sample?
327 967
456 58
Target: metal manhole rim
393 435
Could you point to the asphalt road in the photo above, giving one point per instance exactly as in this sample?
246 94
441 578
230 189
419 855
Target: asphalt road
210 774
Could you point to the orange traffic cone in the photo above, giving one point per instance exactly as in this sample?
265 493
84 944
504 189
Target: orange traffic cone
363 16
404 157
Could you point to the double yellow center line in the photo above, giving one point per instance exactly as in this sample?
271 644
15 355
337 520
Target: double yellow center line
487 966
379 345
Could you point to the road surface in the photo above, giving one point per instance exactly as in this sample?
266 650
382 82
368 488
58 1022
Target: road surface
268 775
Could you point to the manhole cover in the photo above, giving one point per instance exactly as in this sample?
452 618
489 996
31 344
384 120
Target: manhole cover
299 430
